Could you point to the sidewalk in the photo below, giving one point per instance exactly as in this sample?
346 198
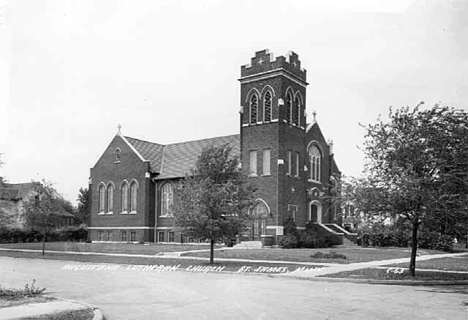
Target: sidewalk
370 264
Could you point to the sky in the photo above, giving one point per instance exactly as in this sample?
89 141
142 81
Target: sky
167 71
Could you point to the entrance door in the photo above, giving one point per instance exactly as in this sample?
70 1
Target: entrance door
258 228
315 212
258 215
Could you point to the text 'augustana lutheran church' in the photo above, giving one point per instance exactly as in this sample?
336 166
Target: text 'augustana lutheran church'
287 159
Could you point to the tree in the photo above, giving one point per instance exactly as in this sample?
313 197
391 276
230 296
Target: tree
39 209
82 212
212 203
417 169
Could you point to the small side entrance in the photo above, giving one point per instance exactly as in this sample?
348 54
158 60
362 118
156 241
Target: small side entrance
315 211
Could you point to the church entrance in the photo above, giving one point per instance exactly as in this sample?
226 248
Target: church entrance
258 228
258 225
315 211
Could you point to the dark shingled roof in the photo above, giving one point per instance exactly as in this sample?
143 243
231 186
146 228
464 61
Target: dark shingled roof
177 159
15 191
149 151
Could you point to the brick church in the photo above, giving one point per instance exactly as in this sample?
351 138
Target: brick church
285 157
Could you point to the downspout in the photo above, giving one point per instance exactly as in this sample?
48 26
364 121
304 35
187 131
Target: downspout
330 147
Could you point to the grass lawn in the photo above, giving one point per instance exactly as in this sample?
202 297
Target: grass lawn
184 263
450 264
381 274
105 247
85 314
304 255
12 302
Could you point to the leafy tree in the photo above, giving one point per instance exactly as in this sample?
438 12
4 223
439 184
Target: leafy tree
39 209
212 203
417 169
82 212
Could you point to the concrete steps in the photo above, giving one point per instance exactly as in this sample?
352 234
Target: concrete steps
249 245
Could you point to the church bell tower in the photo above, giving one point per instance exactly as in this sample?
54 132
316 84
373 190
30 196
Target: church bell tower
272 126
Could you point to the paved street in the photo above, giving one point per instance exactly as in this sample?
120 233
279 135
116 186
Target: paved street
125 294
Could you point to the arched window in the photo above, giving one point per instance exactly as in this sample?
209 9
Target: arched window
117 152
133 197
124 197
110 198
288 107
167 200
102 199
253 108
267 107
260 210
296 111
315 163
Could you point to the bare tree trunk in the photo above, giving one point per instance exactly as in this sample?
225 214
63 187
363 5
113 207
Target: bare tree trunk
212 251
414 248
43 244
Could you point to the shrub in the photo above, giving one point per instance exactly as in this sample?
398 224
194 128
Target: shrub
70 233
27 291
290 227
311 240
331 255
288 242
384 237
435 241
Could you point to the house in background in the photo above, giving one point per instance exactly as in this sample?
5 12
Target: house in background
285 157
12 197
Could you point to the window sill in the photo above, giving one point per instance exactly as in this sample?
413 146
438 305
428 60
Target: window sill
266 175
101 213
253 175
110 212
124 212
315 181
167 216
132 212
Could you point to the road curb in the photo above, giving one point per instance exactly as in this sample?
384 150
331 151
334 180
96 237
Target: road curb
372 281
97 313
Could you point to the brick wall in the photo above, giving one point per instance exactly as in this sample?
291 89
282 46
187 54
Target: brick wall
130 168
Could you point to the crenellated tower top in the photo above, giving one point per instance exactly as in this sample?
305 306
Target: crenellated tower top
264 62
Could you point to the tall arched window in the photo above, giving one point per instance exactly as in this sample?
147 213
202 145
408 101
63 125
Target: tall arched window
296 111
102 199
133 197
110 198
288 107
315 163
253 108
267 107
124 197
167 200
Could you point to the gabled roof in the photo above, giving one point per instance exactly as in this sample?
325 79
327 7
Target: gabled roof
15 191
178 159
335 166
149 151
